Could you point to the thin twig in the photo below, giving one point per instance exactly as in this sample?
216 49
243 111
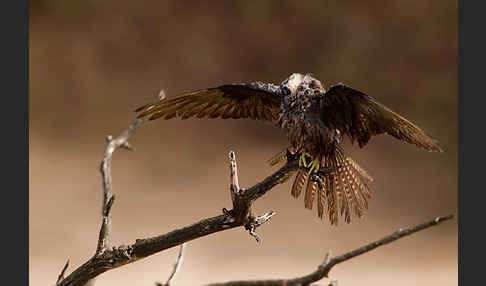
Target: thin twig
61 275
234 185
324 269
161 94
108 196
177 267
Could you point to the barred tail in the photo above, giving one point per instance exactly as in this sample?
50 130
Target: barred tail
353 191
299 182
345 190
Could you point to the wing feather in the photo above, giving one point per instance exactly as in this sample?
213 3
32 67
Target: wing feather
255 100
360 117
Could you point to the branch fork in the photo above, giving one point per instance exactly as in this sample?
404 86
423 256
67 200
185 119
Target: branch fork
242 201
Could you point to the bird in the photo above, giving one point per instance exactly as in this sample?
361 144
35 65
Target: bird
315 121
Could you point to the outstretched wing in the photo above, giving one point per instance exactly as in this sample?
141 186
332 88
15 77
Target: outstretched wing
360 116
254 100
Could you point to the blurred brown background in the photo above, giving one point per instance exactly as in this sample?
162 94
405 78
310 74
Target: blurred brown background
93 62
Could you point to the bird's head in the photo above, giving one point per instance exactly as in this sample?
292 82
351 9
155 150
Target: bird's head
305 83
290 84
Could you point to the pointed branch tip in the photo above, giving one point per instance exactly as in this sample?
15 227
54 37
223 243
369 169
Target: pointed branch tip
61 275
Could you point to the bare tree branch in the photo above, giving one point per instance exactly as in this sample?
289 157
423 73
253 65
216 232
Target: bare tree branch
108 196
324 269
243 199
107 257
177 267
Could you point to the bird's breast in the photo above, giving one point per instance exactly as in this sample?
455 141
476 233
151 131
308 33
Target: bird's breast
304 128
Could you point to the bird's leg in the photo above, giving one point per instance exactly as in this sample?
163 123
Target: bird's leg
303 159
314 168
315 165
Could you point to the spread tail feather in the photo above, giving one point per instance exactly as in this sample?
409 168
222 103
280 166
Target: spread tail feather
344 191
299 182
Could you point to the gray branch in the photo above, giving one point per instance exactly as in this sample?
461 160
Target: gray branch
108 196
323 269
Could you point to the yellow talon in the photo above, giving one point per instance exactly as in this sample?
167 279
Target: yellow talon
315 165
303 159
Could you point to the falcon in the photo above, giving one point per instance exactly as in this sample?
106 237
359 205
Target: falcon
314 120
